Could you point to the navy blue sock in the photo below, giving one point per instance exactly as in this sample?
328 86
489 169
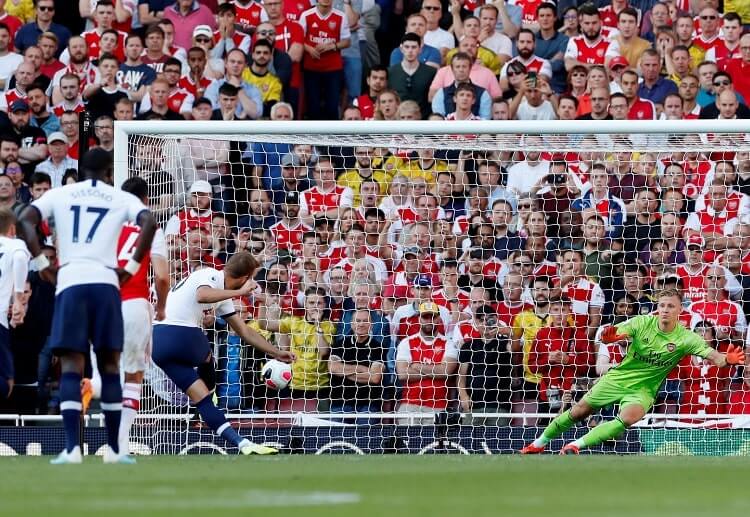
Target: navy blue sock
112 407
70 407
215 419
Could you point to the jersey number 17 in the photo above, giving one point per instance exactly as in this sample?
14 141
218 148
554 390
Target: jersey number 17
98 211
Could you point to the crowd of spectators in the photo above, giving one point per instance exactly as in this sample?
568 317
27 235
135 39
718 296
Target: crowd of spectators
409 279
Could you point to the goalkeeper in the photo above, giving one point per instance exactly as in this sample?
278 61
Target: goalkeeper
656 344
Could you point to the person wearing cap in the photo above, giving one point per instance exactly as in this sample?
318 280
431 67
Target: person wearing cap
654 87
425 360
197 214
185 15
34 148
58 161
405 320
409 267
202 109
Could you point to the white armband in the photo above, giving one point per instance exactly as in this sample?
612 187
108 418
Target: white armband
132 267
40 262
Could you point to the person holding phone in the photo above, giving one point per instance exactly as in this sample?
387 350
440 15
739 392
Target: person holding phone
534 99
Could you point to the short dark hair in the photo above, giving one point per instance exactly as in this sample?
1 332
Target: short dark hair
629 11
547 5
411 36
229 90
137 186
588 9
173 61
241 264
40 177
153 29
261 42
107 56
569 97
226 7
377 68
732 17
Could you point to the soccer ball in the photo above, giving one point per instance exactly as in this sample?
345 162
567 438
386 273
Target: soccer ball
276 374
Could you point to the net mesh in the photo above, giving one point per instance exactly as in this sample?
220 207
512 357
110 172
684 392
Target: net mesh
429 261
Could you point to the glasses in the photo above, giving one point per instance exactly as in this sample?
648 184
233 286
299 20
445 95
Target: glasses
202 40
266 33
722 83
103 127
13 170
713 277
47 8
709 17
522 264
69 123
430 8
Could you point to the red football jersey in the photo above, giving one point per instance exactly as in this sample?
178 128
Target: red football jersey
293 9
137 285
197 90
315 200
13 24
642 109
331 28
93 38
693 283
528 9
289 238
426 391
591 54
59 109
250 14
289 32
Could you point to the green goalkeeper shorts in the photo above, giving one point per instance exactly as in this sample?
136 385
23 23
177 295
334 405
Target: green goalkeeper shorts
606 393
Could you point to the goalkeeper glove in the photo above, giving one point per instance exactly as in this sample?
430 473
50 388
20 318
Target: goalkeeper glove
610 335
735 355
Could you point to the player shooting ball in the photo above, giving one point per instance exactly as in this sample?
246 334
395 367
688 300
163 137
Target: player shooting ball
656 344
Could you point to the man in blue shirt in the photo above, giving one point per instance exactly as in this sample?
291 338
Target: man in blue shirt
654 87
427 55
28 35
551 45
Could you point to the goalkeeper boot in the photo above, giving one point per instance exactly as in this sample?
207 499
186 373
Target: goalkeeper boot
112 457
569 449
532 449
68 458
248 448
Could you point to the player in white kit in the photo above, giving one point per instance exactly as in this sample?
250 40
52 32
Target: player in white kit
137 312
87 218
14 267
182 350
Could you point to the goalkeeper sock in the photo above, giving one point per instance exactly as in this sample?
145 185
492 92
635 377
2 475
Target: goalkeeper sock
112 408
216 420
70 408
558 426
131 404
601 433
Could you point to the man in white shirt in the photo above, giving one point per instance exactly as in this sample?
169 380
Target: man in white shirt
523 175
58 161
441 39
9 61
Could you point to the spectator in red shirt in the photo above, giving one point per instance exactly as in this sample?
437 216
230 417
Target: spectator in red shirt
560 354
326 33
739 396
424 363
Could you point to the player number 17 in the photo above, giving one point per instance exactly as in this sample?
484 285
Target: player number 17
100 213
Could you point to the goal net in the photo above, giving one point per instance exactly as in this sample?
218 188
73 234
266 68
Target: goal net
443 284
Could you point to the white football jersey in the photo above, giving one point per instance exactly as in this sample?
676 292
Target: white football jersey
12 272
183 308
87 217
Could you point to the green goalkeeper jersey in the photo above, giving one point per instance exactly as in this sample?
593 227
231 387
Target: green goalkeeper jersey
652 354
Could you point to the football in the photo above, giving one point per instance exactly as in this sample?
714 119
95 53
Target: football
276 374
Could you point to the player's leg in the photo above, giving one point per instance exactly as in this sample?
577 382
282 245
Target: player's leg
564 421
604 393
107 340
634 408
69 340
136 315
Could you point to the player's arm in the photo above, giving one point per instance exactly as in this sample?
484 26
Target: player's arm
735 355
253 338
26 230
161 282
20 265
207 294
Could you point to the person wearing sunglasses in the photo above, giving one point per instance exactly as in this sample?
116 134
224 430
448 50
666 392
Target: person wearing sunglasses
708 21
722 82
28 35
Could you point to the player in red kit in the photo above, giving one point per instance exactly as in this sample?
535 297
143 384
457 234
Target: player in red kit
137 311
326 33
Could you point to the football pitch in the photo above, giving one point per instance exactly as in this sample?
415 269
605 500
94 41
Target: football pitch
390 486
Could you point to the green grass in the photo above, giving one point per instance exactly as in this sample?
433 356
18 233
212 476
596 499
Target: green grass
392 486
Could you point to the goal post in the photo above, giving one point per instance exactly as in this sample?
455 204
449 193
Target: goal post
550 200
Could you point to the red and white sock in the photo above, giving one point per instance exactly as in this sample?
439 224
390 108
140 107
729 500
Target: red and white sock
131 403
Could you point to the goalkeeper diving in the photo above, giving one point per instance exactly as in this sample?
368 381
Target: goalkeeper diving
656 344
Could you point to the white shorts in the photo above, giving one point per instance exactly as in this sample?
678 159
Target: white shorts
137 315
